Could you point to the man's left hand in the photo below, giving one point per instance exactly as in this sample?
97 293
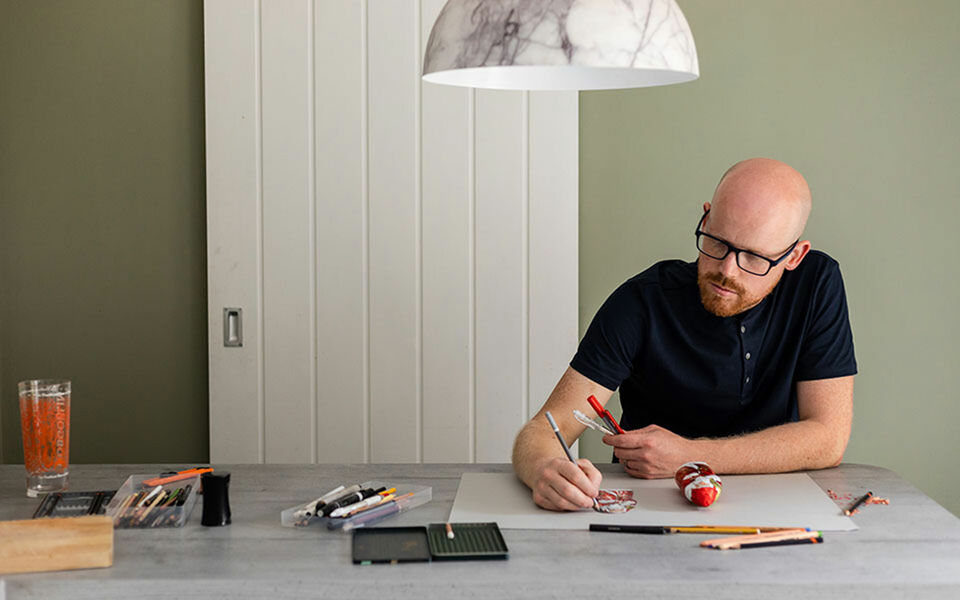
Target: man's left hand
652 452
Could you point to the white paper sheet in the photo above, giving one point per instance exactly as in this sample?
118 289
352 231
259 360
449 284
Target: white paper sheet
783 500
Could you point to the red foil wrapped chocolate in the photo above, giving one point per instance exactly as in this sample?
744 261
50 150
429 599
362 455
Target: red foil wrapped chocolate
699 484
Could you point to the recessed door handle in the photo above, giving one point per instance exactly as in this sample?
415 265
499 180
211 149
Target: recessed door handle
233 327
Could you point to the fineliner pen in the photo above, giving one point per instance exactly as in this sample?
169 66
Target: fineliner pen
585 420
314 506
349 499
343 510
332 496
329 495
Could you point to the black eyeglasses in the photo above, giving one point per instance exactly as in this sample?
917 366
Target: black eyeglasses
751 262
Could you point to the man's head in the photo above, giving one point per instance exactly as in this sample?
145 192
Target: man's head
760 205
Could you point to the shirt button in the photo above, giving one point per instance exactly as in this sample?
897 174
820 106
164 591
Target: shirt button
743 329
747 356
748 380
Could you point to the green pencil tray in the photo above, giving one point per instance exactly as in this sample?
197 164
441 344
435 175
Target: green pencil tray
472 541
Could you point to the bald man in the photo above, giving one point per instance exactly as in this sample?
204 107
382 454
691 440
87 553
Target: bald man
742 359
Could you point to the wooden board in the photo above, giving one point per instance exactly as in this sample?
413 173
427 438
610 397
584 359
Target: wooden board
56 544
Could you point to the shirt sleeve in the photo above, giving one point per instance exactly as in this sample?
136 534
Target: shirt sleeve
827 347
607 350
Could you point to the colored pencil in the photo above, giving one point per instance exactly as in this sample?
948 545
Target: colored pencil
663 529
759 537
849 510
818 539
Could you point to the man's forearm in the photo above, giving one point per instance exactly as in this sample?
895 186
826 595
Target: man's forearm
788 447
534 444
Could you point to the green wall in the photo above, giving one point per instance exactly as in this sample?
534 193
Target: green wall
102 223
862 97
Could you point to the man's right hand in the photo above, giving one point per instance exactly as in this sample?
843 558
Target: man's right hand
563 485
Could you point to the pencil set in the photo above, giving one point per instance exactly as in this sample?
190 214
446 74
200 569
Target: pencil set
144 501
786 537
351 506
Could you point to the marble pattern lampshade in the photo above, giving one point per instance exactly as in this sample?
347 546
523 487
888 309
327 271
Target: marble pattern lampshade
560 44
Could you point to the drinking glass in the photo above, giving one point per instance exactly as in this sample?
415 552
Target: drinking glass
45 427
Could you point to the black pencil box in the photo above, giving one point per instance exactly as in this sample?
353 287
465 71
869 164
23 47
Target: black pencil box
471 541
74 504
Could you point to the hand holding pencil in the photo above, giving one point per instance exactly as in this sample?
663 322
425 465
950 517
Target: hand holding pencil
565 483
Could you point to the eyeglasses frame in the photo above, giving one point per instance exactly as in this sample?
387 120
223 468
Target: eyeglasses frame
731 248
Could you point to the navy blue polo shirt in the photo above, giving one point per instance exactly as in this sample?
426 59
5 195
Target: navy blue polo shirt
696 374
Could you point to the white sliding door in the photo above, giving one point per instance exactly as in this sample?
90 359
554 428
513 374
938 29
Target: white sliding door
404 254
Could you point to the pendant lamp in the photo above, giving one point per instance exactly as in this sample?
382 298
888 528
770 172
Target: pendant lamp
560 45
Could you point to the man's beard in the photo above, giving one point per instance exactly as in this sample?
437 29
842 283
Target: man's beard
725 306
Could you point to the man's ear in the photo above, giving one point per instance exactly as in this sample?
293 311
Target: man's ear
796 257
706 206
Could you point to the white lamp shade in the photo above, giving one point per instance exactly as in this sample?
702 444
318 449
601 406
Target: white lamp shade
560 44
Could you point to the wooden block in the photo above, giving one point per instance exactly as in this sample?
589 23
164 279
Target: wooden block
56 544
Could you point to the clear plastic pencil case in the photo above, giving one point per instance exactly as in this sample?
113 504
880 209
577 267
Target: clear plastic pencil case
404 498
136 505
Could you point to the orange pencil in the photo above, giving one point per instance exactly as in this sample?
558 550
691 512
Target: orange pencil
177 477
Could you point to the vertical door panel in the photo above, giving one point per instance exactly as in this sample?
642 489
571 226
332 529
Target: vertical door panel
231 79
288 257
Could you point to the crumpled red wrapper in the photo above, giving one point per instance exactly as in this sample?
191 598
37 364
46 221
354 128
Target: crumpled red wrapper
699 484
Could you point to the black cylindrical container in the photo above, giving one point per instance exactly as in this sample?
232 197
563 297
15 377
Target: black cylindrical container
216 499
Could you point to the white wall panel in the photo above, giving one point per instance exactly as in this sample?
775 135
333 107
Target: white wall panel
448 274
288 257
394 232
341 166
412 248
502 205
553 241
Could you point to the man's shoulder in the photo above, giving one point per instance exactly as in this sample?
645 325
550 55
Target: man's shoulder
820 259
816 280
663 275
650 287
816 266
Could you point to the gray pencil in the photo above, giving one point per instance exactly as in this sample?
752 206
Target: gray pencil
563 443
566 448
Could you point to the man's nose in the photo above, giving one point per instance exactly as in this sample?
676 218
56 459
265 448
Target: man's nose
728 266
